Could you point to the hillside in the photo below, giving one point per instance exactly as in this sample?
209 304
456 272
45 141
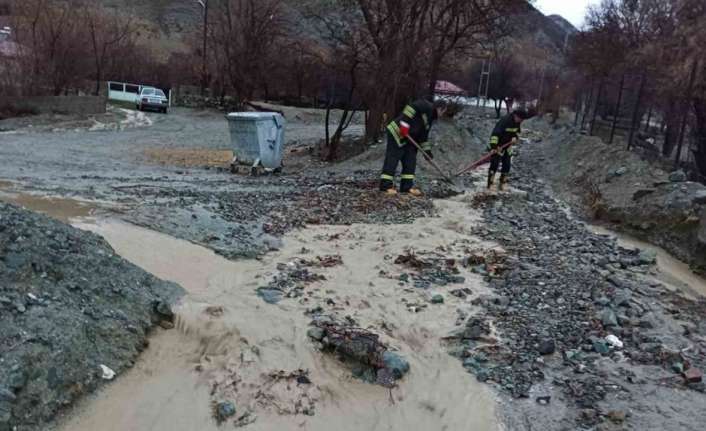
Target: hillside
544 32
563 23
173 19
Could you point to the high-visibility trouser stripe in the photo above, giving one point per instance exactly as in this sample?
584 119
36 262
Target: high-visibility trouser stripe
512 130
387 177
407 177
395 131
409 111
426 146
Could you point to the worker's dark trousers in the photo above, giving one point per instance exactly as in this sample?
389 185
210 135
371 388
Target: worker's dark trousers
407 154
504 158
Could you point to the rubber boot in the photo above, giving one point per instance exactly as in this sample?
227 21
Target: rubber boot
415 192
503 182
491 179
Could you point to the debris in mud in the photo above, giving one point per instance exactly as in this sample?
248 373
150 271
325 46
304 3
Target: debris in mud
290 282
371 360
323 261
431 270
483 199
107 373
282 392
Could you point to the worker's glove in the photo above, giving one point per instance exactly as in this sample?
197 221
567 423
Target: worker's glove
429 154
404 129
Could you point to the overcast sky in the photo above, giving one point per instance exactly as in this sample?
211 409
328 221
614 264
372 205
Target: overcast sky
572 10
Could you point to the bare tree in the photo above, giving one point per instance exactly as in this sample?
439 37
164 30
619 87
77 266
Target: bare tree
55 53
109 31
243 36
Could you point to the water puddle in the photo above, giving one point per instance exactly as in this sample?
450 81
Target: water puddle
62 209
224 331
672 271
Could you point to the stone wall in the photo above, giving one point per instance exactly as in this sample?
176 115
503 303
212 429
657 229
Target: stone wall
56 104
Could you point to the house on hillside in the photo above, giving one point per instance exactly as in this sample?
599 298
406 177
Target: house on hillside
9 61
446 88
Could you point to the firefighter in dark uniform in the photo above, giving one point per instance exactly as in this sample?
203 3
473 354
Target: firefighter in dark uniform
414 122
507 130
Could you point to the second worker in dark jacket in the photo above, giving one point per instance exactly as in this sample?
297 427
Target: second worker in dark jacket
414 122
506 131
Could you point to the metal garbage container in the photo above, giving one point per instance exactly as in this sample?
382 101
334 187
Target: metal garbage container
257 139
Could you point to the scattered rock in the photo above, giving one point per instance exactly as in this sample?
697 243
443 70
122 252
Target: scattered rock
316 333
677 176
437 299
547 347
544 400
693 375
165 324
370 359
614 341
395 363
648 257
601 347
224 410
608 318
617 416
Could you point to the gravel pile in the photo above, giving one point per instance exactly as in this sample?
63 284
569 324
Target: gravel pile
72 315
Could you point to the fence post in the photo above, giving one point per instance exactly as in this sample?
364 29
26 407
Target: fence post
588 104
579 106
649 120
636 111
686 113
595 109
616 114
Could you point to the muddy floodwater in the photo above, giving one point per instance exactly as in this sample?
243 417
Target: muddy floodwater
59 208
246 340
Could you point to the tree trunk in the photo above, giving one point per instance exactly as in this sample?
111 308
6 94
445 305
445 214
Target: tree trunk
700 136
498 108
99 75
671 133
335 143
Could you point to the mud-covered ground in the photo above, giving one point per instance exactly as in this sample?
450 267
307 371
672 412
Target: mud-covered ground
171 175
624 189
570 329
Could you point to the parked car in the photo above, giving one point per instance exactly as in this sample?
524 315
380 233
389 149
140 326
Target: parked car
152 98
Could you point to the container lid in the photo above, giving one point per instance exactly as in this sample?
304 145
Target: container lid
252 115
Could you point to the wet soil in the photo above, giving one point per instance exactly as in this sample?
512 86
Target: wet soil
230 345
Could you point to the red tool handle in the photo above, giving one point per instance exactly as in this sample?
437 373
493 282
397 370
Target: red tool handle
482 160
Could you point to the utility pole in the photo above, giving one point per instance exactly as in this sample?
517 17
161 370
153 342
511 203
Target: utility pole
204 5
